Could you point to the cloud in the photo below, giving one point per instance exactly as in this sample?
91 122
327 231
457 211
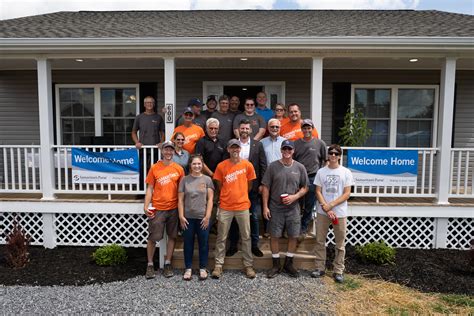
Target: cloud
358 4
17 8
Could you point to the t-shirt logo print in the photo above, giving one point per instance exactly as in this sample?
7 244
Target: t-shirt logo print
232 177
167 179
332 183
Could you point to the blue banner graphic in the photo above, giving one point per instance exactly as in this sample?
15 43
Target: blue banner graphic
383 167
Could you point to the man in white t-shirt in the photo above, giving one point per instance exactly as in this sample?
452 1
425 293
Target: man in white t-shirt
333 188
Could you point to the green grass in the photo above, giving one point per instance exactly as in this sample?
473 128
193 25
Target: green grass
397 311
443 309
349 284
458 300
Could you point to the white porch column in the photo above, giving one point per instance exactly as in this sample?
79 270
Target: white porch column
317 93
45 103
445 129
170 96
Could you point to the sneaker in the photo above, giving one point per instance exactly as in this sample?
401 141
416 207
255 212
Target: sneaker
231 251
150 272
203 274
250 272
317 273
266 235
188 274
339 278
217 272
168 271
257 252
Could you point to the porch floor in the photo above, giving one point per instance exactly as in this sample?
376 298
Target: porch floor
125 198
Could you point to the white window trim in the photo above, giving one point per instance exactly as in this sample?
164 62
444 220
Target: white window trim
394 106
97 101
282 84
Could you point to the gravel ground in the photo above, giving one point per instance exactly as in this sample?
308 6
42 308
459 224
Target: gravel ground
233 293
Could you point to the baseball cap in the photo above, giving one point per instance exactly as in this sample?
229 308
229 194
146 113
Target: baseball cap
194 101
167 143
307 122
287 143
233 142
188 110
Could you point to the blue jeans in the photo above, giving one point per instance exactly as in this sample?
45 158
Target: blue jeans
255 209
194 228
309 200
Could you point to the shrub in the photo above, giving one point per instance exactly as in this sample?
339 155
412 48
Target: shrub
110 255
16 250
377 252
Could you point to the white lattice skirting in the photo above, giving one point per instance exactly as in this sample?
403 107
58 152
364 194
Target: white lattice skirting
73 229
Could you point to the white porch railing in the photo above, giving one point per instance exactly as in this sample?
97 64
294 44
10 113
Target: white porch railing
63 171
425 184
462 173
20 170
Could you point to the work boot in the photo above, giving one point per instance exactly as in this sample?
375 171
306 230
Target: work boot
288 268
276 269
217 273
168 270
250 272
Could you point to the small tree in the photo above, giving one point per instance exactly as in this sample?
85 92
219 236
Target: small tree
355 131
16 250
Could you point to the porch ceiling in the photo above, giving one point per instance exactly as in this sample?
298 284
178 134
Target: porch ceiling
237 63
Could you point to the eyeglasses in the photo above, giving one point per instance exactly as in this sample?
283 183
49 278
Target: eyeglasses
280 110
179 139
275 126
334 153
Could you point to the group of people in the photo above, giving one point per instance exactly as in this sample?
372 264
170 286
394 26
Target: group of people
245 165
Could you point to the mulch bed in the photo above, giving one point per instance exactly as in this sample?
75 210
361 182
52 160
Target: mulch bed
434 270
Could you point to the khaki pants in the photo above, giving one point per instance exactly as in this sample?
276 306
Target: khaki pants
322 228
224 219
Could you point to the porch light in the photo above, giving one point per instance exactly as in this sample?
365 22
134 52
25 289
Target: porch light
244 59
413 60
79 60
245 89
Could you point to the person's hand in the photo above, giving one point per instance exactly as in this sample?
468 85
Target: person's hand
260 189
332 216
138 145
327 207
205 222
290 199
183 222
266 213
150 214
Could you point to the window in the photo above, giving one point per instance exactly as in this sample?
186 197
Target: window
401 116
95 110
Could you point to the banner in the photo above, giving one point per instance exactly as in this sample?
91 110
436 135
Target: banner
120 166
383 167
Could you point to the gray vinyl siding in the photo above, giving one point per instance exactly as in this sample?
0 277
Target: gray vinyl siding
19 118
19 102
464 110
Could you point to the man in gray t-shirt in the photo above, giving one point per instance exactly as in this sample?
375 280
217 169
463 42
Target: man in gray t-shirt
311 152
284 183
225 119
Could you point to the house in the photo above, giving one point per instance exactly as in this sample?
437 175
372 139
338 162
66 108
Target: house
68 76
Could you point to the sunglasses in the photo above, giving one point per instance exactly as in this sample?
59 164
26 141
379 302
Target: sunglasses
280 110
287 148
249 104
179 139
276 126
334 153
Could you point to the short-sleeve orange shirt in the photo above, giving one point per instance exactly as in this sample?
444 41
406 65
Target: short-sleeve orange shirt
165 181
192 134
234 179
292 131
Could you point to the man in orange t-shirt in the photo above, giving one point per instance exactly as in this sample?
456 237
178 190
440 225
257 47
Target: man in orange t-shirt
292 129
162 191
234 178
191 131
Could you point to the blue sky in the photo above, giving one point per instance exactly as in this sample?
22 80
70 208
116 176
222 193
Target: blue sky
18 8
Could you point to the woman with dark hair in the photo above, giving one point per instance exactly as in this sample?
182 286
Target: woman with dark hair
195 194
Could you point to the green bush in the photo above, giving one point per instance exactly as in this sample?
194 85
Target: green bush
110 255
377 252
